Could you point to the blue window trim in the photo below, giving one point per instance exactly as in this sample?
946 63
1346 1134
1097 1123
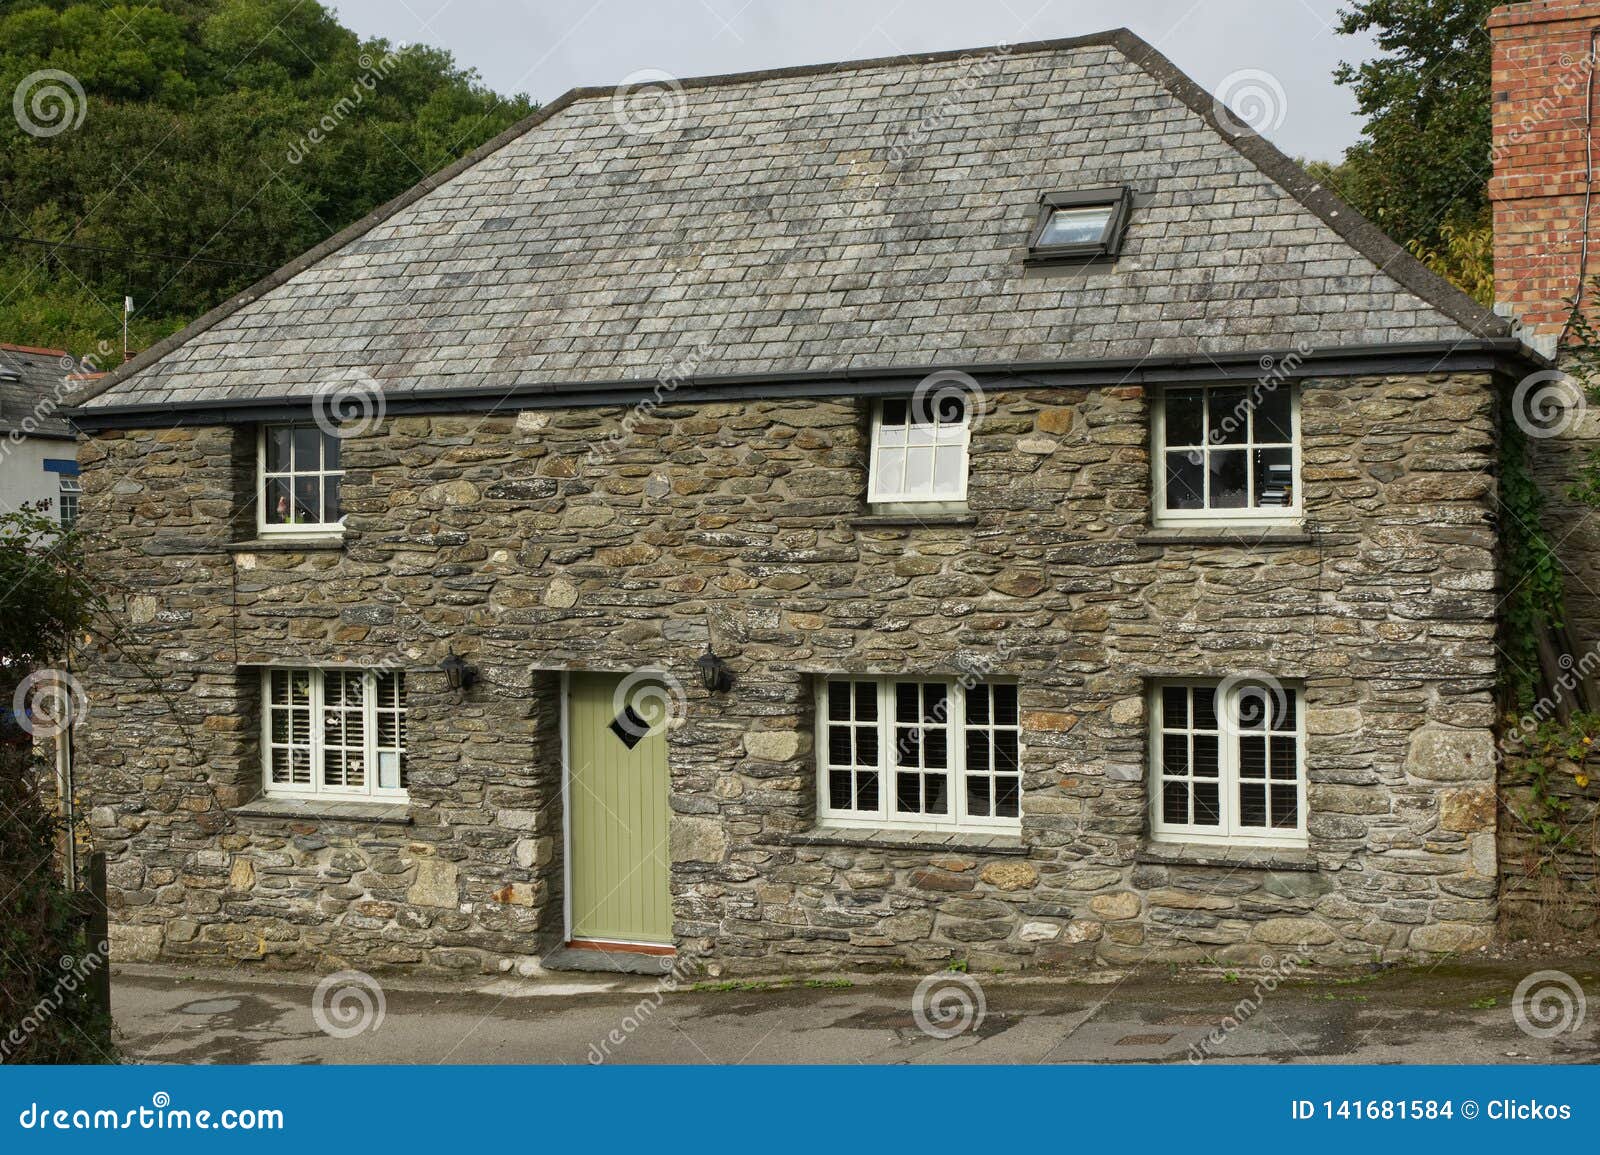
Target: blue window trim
61 465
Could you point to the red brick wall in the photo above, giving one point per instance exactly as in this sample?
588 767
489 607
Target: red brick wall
1542 65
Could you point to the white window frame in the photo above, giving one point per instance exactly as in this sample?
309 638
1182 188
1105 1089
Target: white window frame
1228 831
318 745
950 435
69 493
300 529
886 817
1244 516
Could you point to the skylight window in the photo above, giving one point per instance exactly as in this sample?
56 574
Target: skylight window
1086 224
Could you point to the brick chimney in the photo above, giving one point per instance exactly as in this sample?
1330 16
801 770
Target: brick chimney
1543 132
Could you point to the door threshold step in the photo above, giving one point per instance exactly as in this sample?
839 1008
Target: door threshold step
614 962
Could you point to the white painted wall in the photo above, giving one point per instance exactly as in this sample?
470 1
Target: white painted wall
22 473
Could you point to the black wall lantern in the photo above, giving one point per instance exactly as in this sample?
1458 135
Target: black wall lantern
457 671
714 673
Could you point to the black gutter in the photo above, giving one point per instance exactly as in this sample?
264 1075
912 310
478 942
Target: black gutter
1479 355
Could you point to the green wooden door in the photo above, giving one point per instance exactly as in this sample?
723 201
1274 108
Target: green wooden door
617 806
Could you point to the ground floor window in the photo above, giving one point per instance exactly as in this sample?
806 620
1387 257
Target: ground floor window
334 733
1227 762
919 753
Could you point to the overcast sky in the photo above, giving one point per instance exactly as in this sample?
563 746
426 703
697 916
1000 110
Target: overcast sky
544 47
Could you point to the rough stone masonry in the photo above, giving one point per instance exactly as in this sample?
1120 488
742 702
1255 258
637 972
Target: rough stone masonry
504 537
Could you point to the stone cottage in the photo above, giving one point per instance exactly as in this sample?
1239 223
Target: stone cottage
988 506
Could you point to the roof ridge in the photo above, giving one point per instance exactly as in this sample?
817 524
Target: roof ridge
40 350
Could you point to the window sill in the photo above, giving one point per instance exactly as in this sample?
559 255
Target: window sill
876 838
1235 535
912 520
1246 857
289 544
315 810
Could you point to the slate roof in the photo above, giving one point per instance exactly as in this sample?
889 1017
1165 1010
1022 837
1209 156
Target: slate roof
34 383
845 217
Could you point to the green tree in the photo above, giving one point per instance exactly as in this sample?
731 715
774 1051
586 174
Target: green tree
1421 168
196 143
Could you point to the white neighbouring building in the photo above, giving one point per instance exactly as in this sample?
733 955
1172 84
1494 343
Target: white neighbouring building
38 447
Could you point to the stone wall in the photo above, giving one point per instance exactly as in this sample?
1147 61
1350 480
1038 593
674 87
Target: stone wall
503 537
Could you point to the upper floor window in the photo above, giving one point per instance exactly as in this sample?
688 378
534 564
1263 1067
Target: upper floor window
299 480
1086 224
1226 762
1227 452
334 732
922 754
919 449
69 490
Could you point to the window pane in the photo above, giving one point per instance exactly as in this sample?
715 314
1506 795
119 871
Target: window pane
935 798
838 701
1205 756
1207 811
1285 807
1283 711
866 701
908 793
1229 415
1252 804
330 499
978 706
866 746
1228 478
1205 708
978 797
934 707
935 748
1272 415
1084 225
867 790
890 477
839 789
949 470
1005 704
1175 754
307 448
1274 477
1252 757
279 502
919 471
1175 802
839 745
894 413
1186 479
978 761
307 500
1007 797
1006 755
950 408
907 702
278 441
1174 707
907 746
330 451
1284 762
1185 417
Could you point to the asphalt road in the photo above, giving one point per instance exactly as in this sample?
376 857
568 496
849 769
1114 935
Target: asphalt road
1456 1012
